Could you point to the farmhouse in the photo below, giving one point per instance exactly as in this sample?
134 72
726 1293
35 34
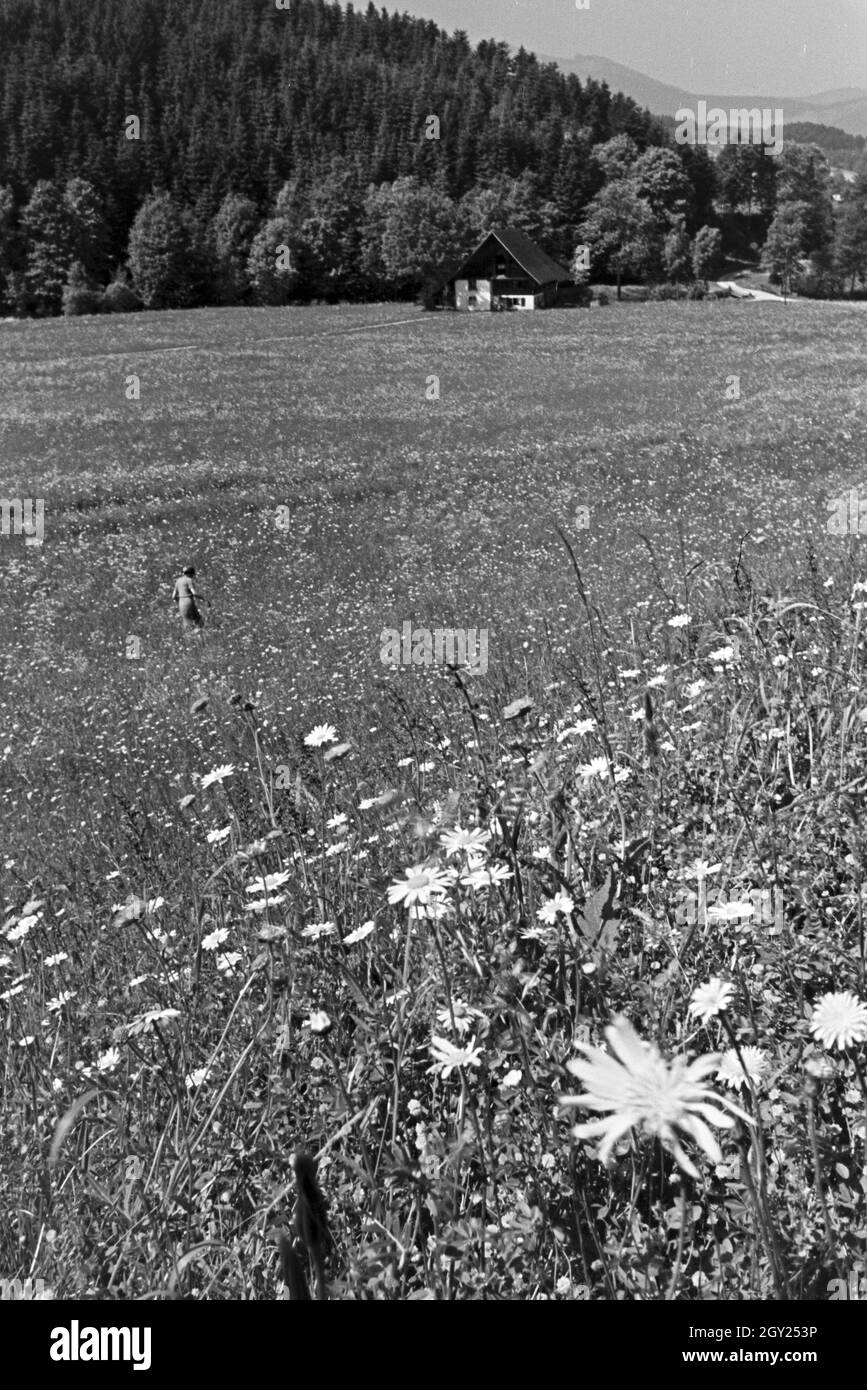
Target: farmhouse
506 271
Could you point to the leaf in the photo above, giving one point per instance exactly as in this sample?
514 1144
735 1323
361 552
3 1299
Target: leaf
65 1123
594 913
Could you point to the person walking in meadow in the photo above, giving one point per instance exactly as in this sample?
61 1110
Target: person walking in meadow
185 596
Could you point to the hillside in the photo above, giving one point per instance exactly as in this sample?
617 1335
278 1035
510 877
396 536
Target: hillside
845 107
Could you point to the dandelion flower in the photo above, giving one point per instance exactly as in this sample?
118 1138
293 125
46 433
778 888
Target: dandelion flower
418 885
839 1020
711 999
219 774
731 1071
319 734
216 837
512 1078
448 1058
679 620
55 960
645 1092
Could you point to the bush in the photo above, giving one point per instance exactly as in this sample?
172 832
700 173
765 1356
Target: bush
602 299
663 291
120 298
696 292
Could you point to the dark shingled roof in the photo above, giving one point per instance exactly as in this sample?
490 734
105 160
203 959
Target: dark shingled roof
538 264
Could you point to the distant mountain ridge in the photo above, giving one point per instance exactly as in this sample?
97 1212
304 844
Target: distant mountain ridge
845 107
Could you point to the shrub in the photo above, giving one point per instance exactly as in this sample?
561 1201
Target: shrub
120 298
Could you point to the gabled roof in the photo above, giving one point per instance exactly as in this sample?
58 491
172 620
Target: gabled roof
531 258
538 264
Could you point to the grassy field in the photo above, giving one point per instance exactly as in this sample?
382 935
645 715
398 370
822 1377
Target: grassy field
332 473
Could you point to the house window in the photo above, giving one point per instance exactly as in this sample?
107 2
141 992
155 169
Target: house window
471 285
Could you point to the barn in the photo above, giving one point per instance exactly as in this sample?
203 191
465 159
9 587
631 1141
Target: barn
507 270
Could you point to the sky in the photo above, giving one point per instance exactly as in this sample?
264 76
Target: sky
732 47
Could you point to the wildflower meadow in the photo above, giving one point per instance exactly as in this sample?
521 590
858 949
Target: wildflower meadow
325 975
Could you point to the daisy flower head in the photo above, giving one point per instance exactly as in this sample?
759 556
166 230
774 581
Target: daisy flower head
735 1075
560 903
597 767
359 934
711 999
460 841
319 734
146 1021
218 774
839 1020
448 1058
109 1060
214 939
418 885
319 929
643 1091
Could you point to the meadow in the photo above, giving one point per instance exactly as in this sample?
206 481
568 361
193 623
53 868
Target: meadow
265 895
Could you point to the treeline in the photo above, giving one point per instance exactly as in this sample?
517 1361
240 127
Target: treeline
171 153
